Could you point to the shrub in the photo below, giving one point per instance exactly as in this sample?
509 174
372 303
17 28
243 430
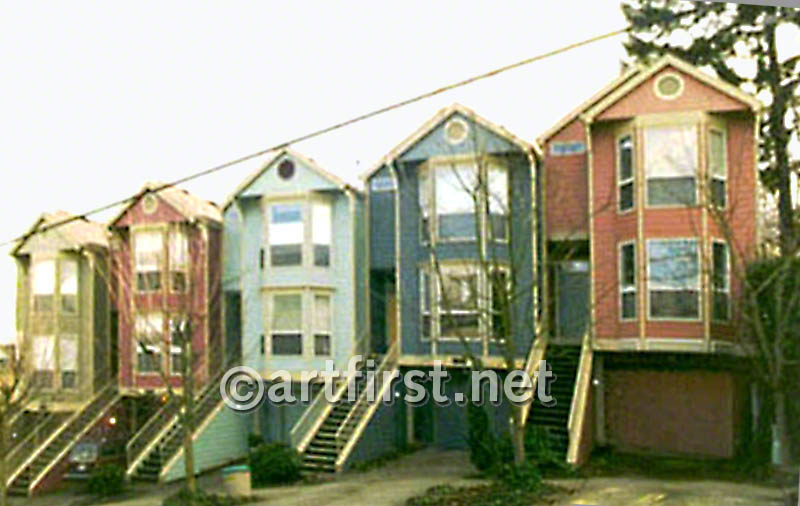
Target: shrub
255 440
106 481
525 477
274 464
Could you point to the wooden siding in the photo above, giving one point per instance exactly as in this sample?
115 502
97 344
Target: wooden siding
566 187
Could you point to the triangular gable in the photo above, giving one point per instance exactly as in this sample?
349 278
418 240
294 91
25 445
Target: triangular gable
174 205
308 176
634 78
72 234
428 139
136 214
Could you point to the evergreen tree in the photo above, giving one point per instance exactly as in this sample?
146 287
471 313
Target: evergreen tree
717 35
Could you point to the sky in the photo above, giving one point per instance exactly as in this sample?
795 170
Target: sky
99 97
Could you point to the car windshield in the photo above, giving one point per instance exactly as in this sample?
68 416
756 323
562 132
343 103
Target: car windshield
84 452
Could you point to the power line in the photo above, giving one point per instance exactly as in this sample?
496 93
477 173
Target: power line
322 131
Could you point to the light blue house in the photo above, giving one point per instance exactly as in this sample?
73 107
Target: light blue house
294 277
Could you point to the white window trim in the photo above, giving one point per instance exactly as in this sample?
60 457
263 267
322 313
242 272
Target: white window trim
630 289
695 124
314 331
306 202
138 229
480 310
442 163
727 290
137 348
699 281
681 86
178 231
302 330
711 176
631 180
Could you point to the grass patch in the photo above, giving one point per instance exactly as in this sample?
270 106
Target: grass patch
496 493
368 465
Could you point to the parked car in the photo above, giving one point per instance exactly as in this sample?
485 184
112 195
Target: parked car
89 455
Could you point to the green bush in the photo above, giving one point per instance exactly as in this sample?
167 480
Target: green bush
274 464
255 440
106 481
525 477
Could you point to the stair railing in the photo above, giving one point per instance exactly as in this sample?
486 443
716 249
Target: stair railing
314 415
535 357
154 425
354 424
583 383
46 434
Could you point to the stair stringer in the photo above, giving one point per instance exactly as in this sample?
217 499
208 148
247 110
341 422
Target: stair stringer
363 422
13 475
537 354
68 447
151 445
577 412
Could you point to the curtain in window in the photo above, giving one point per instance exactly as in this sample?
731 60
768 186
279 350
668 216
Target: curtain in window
321 233
286 235
455 200
287 324
671 164
44 353
322 325
44 277
149 250
69 286
497 195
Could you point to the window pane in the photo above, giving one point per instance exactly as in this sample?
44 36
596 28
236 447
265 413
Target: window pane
322 255
44 353
148 359
674 304
719 195
668 192
625 158
149 250
424 196
321 231
716 154
69 277
671 151
459 291
44 277
148 281
69 379
178 251
719 275
455 204
458 325
673 264
629 305
68 359
500 290
150 328
628 263
176 361
452 226
322 345
720 306
287 344
287 312
626 196
322 313
286 255
498 190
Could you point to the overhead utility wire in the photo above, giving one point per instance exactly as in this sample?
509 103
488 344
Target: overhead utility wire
320 132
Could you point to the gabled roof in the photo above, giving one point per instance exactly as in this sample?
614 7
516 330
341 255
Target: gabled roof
632 78
78 232
308 162
435 121
193 208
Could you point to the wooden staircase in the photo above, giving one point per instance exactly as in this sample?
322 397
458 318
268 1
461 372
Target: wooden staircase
159 441
30 466
563 361
334 427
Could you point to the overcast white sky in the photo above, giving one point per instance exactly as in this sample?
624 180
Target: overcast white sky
99 97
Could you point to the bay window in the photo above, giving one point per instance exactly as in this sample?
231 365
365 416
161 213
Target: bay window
625 173
627 280
149 259
68 285
149 342
321 233
717 168
670 159
450 195
673 278
720 282
322 325
178 261
458 303
287 324
286 235
44 285
68 361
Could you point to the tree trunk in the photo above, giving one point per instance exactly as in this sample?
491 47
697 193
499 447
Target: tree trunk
780 440
518 435
188 415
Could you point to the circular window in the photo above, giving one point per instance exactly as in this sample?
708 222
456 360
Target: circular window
669 86
456 131
286 169
149 203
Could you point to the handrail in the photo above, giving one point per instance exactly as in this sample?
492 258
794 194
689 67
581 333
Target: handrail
139 442
535 357
55 427
360 423
363 397
314 415
579 399
21 451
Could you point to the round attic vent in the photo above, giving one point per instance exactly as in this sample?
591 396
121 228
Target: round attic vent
456 131
669 86
286 169
149 203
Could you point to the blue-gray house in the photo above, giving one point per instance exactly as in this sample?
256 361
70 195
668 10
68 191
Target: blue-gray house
294 282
